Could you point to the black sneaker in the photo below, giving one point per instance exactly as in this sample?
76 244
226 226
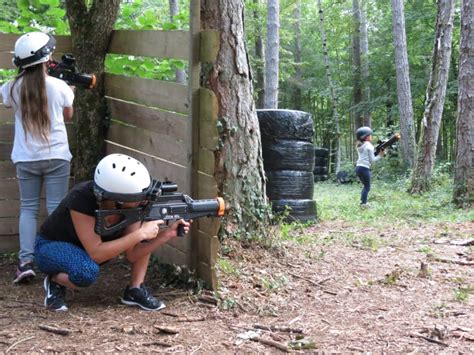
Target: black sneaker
142 298
55 295
24 272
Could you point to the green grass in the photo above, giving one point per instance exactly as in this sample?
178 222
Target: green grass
389 203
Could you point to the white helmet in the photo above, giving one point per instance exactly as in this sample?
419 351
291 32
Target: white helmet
33 48
121 178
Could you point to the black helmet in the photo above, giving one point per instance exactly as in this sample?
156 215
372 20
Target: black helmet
363 132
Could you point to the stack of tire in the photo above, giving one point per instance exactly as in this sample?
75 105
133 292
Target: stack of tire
288 160
321 164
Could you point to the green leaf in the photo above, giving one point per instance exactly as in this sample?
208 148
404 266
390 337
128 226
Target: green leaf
56 12
23 4
54 3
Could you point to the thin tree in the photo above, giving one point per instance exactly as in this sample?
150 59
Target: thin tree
407 126
332 90
239 166
464 167
356 65
435 96
297 56
91 24
272 57
364 65
260 56
180 75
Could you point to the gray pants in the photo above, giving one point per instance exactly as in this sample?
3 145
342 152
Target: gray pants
31 175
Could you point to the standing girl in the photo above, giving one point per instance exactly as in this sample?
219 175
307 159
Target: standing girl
40 149
365 150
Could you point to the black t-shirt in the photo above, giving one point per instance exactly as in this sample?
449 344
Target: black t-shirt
58 225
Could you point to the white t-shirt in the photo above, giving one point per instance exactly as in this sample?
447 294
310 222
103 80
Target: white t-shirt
60 96
366 155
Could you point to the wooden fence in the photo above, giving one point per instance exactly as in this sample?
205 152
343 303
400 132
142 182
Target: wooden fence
168 126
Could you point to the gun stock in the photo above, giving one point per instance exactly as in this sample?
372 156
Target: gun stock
386 144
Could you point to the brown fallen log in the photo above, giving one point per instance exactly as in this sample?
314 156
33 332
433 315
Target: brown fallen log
273 343
55 330
276 328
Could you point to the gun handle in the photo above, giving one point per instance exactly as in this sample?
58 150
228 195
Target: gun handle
180 230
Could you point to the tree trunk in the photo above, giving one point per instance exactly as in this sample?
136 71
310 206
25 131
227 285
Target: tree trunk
297 57
91 30
364 56
180 75
435 96
272 57
464 167
407 126
356 64
334 99
259 54
239 165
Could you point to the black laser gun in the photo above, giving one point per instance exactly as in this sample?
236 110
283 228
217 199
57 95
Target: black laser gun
163 202
66 70
384 144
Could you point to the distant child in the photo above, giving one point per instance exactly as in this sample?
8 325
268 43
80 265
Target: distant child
40 149
365 150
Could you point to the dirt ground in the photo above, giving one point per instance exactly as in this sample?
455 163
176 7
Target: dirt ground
330 288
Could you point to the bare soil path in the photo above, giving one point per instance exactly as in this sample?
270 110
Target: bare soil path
329 287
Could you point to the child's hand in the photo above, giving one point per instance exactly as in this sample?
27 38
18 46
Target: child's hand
151 229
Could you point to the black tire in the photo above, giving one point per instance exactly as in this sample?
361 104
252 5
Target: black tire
289 185
288 155
298 210
285 124
319 161
321 152
320 170
318 178
343 177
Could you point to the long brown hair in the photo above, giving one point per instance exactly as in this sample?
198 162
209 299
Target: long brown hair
34 102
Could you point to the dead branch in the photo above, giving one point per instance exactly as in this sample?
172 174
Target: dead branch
191 319
59 331
207 299
18 342
167 330
276 328
431 340
169 314
159 343
450 261
461 243
273 343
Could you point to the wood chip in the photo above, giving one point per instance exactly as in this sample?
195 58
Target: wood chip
167 330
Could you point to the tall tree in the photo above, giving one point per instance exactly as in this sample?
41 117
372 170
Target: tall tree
91 24
407 125
364 65
464 167
435 96
239 165
272 56
356 65
297 92
332 90
259 54
180 75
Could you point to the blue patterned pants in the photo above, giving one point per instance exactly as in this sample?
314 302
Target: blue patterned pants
53 257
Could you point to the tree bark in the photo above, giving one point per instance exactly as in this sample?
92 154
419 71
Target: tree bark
464 166
272 57
435 97
259 54
407 126
356 66
239 165
180 75
91 30
334 98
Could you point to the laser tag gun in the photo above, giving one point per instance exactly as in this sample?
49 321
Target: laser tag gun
384 144
66 70
163 202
